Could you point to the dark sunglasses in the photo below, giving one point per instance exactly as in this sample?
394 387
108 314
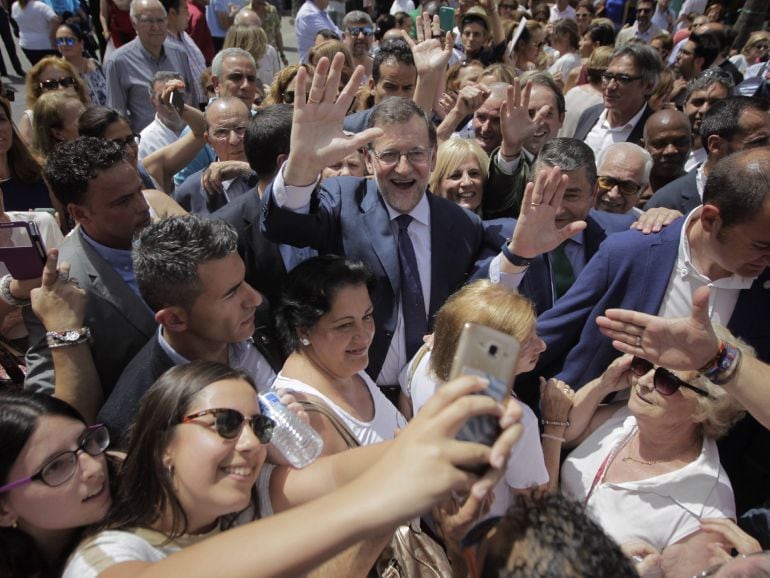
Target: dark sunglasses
62 466
229 423
356 30
626 188
621 79
68 40
66 82
288 96
665 382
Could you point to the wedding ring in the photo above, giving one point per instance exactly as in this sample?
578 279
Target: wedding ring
535 204
314 101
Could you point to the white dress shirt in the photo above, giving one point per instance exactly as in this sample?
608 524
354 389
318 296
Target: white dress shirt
603 135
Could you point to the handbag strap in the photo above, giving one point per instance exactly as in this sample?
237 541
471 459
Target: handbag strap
323 409
413 367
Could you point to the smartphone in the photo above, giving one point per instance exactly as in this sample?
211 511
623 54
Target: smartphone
493 355
177 101
21 249
446 18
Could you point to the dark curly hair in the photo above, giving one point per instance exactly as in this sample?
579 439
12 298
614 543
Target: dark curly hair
550 536
72 165
308 292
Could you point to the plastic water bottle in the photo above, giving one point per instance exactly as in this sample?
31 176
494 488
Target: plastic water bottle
299 443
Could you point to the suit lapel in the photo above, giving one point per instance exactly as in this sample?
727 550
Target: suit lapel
107 283
661 260
376 227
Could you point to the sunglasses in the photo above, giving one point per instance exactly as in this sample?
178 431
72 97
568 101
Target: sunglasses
626 188
68 40
62 466
229 423
131 140
356 30
66 82
621 79
288 96
665 382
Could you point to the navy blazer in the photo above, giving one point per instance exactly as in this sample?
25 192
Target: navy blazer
680 194
351 219
590 115
537 283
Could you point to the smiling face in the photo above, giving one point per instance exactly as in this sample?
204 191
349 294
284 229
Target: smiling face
82 500
649 406
548 129
403 184
578 198
213 476
668 140
699 103
340 340
464 184
486 124
620 165
625 99
67 43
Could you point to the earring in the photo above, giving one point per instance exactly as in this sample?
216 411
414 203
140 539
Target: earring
15 524
170 472
304 341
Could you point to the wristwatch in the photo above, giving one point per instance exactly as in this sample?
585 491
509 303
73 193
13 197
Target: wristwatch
69 337
512 258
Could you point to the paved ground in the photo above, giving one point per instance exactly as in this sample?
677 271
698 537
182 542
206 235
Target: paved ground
18 106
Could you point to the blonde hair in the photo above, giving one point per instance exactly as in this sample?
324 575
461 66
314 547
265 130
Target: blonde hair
329 48
48 114
32 83
283 79
481 302
755 38
450 155
252 40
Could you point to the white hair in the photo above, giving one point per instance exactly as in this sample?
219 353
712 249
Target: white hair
627 148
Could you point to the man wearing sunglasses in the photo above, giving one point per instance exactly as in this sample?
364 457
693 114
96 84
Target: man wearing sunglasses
358 36
626 86
623 172
643 28
190 274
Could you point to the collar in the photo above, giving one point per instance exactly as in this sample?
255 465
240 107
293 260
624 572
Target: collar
686 267
117 258
236 352
420 213
148 54
632 122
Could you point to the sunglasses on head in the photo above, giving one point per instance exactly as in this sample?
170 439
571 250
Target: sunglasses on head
229 423
66 82
665 382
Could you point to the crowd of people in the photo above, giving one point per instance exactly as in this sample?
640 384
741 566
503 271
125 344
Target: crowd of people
591 178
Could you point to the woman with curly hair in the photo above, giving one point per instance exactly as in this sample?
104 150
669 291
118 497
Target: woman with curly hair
282 88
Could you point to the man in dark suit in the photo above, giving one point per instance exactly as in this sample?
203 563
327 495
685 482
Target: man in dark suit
627 83
190 273
103 194
730 125
420 248
725 244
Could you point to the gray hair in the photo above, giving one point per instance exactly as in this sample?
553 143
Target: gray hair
645 58
545 79
219 59
133 6
398 110
569 154
709 77
356 16
630 149
163 76
224 101
167 254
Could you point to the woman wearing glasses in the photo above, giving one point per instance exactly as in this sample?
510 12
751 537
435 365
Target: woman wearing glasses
648 469
193 469
528 48
53 482
49 74
71 43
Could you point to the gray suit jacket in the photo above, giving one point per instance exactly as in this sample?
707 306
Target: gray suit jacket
119 320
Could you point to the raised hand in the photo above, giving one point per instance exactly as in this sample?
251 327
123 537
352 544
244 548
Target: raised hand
536 231
59 303
470 98
683 343
317 140
430 55
516 125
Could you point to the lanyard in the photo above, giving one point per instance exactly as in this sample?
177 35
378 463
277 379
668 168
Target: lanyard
599 477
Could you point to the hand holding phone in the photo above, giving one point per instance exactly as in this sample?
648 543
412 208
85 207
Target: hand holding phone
22 249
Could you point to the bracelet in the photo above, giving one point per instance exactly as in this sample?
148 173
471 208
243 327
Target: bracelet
5 293
550 437
724 364
553 422
512 258
69 337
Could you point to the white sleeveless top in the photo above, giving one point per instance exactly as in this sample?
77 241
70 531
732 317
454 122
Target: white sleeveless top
387 419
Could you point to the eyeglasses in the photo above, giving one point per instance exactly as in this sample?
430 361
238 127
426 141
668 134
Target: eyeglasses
762 46
223 132
356 30
665 382
289 95
621 79
62 466
390 157
68 40
66 82
131 140
151 21
626 188
229 423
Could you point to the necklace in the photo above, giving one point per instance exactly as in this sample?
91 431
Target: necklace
653 462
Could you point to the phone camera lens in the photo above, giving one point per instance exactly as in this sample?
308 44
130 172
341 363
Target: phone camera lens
493 350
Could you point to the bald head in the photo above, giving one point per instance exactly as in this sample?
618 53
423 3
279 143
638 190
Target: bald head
226 121
247 17
623 171
668 139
